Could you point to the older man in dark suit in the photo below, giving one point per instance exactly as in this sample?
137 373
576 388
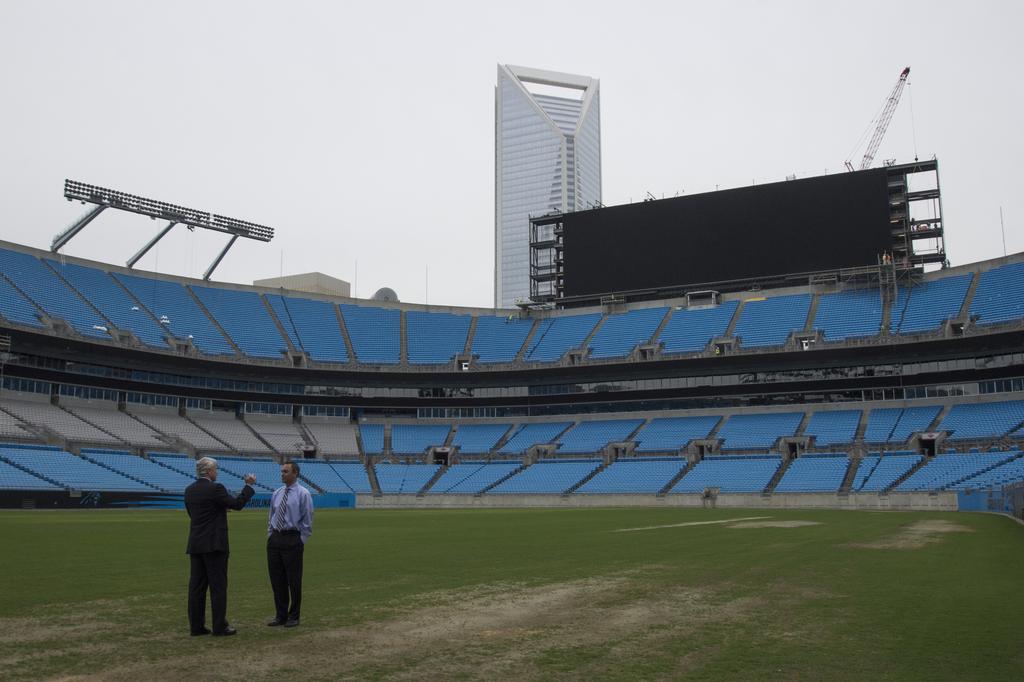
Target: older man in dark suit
207 503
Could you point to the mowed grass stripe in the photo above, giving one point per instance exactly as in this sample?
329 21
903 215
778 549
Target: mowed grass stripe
531 594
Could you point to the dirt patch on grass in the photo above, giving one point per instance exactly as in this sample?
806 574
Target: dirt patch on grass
774 524
916 535
498 631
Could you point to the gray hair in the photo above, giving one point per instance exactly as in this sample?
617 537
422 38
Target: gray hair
204 465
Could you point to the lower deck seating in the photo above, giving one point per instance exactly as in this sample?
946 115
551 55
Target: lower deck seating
70 471
404 478
472 477
13 478
547 477
640 475
814 473
730 474
887 469
946 470
140 468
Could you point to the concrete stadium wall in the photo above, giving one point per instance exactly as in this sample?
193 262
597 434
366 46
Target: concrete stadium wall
868 501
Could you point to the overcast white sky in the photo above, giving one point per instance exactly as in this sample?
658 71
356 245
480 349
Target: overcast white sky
365 131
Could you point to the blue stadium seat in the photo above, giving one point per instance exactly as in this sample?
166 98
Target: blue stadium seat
354 475
592 436
925 306
849 314
175 309
15 307
15 478
140 468
245 319
887 470
404 478
556 336
547 477
689 331
881 422
669 434
814 474
435 338
758 431
769 321
730 474
372 436
831 428
479 439
621 333
39 283
323 476
944 471
638 476
1000 295
113 301
312 326
469 478
414 439
982 420
529 435
70 471
1007 473
376 333
499 339
187 466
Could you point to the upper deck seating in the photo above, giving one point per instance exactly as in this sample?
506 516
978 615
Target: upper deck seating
499 339
769 321
478 439
1000 295
176 310
435 338
312 326
555 336
669 434
925 306
690 330
245 319
621 333
376 333
849 314
113 301
39 283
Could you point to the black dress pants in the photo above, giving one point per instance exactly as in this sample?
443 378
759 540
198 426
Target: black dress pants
284 563
209 570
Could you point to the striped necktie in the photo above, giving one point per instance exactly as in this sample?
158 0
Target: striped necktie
282 510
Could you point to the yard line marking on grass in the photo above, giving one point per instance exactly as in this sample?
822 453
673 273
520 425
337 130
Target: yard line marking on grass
691 523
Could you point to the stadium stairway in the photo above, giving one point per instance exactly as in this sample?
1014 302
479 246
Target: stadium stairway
910 472
261 439
584 347
433 479
527 342
965 309
176 443
661 327
862 426
812 312
504 439
851 474
403 355
675 479
586 478
371 474
467 349
730 331
501 480
349 348
216 324
386 448
779 473
278 324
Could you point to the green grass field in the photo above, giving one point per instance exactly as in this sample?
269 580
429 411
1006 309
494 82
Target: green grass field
528 594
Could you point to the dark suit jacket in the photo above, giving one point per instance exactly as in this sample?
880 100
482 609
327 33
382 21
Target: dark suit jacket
207 504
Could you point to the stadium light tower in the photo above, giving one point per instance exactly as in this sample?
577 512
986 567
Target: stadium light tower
191 218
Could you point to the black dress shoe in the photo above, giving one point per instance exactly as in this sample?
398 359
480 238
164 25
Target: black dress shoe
274 623
197 633
292 623
226 632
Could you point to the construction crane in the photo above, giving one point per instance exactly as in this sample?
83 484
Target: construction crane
883 123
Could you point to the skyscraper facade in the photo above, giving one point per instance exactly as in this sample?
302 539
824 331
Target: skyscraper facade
547 142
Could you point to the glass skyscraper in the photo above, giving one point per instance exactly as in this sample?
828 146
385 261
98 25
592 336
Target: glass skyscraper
547 147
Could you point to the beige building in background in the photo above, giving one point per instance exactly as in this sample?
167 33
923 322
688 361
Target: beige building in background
309 282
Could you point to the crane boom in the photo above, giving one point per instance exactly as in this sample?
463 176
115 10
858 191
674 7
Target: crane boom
883 122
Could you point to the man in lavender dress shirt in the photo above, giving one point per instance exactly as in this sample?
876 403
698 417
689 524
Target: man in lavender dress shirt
291 524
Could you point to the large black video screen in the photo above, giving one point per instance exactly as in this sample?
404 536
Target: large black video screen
797 226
